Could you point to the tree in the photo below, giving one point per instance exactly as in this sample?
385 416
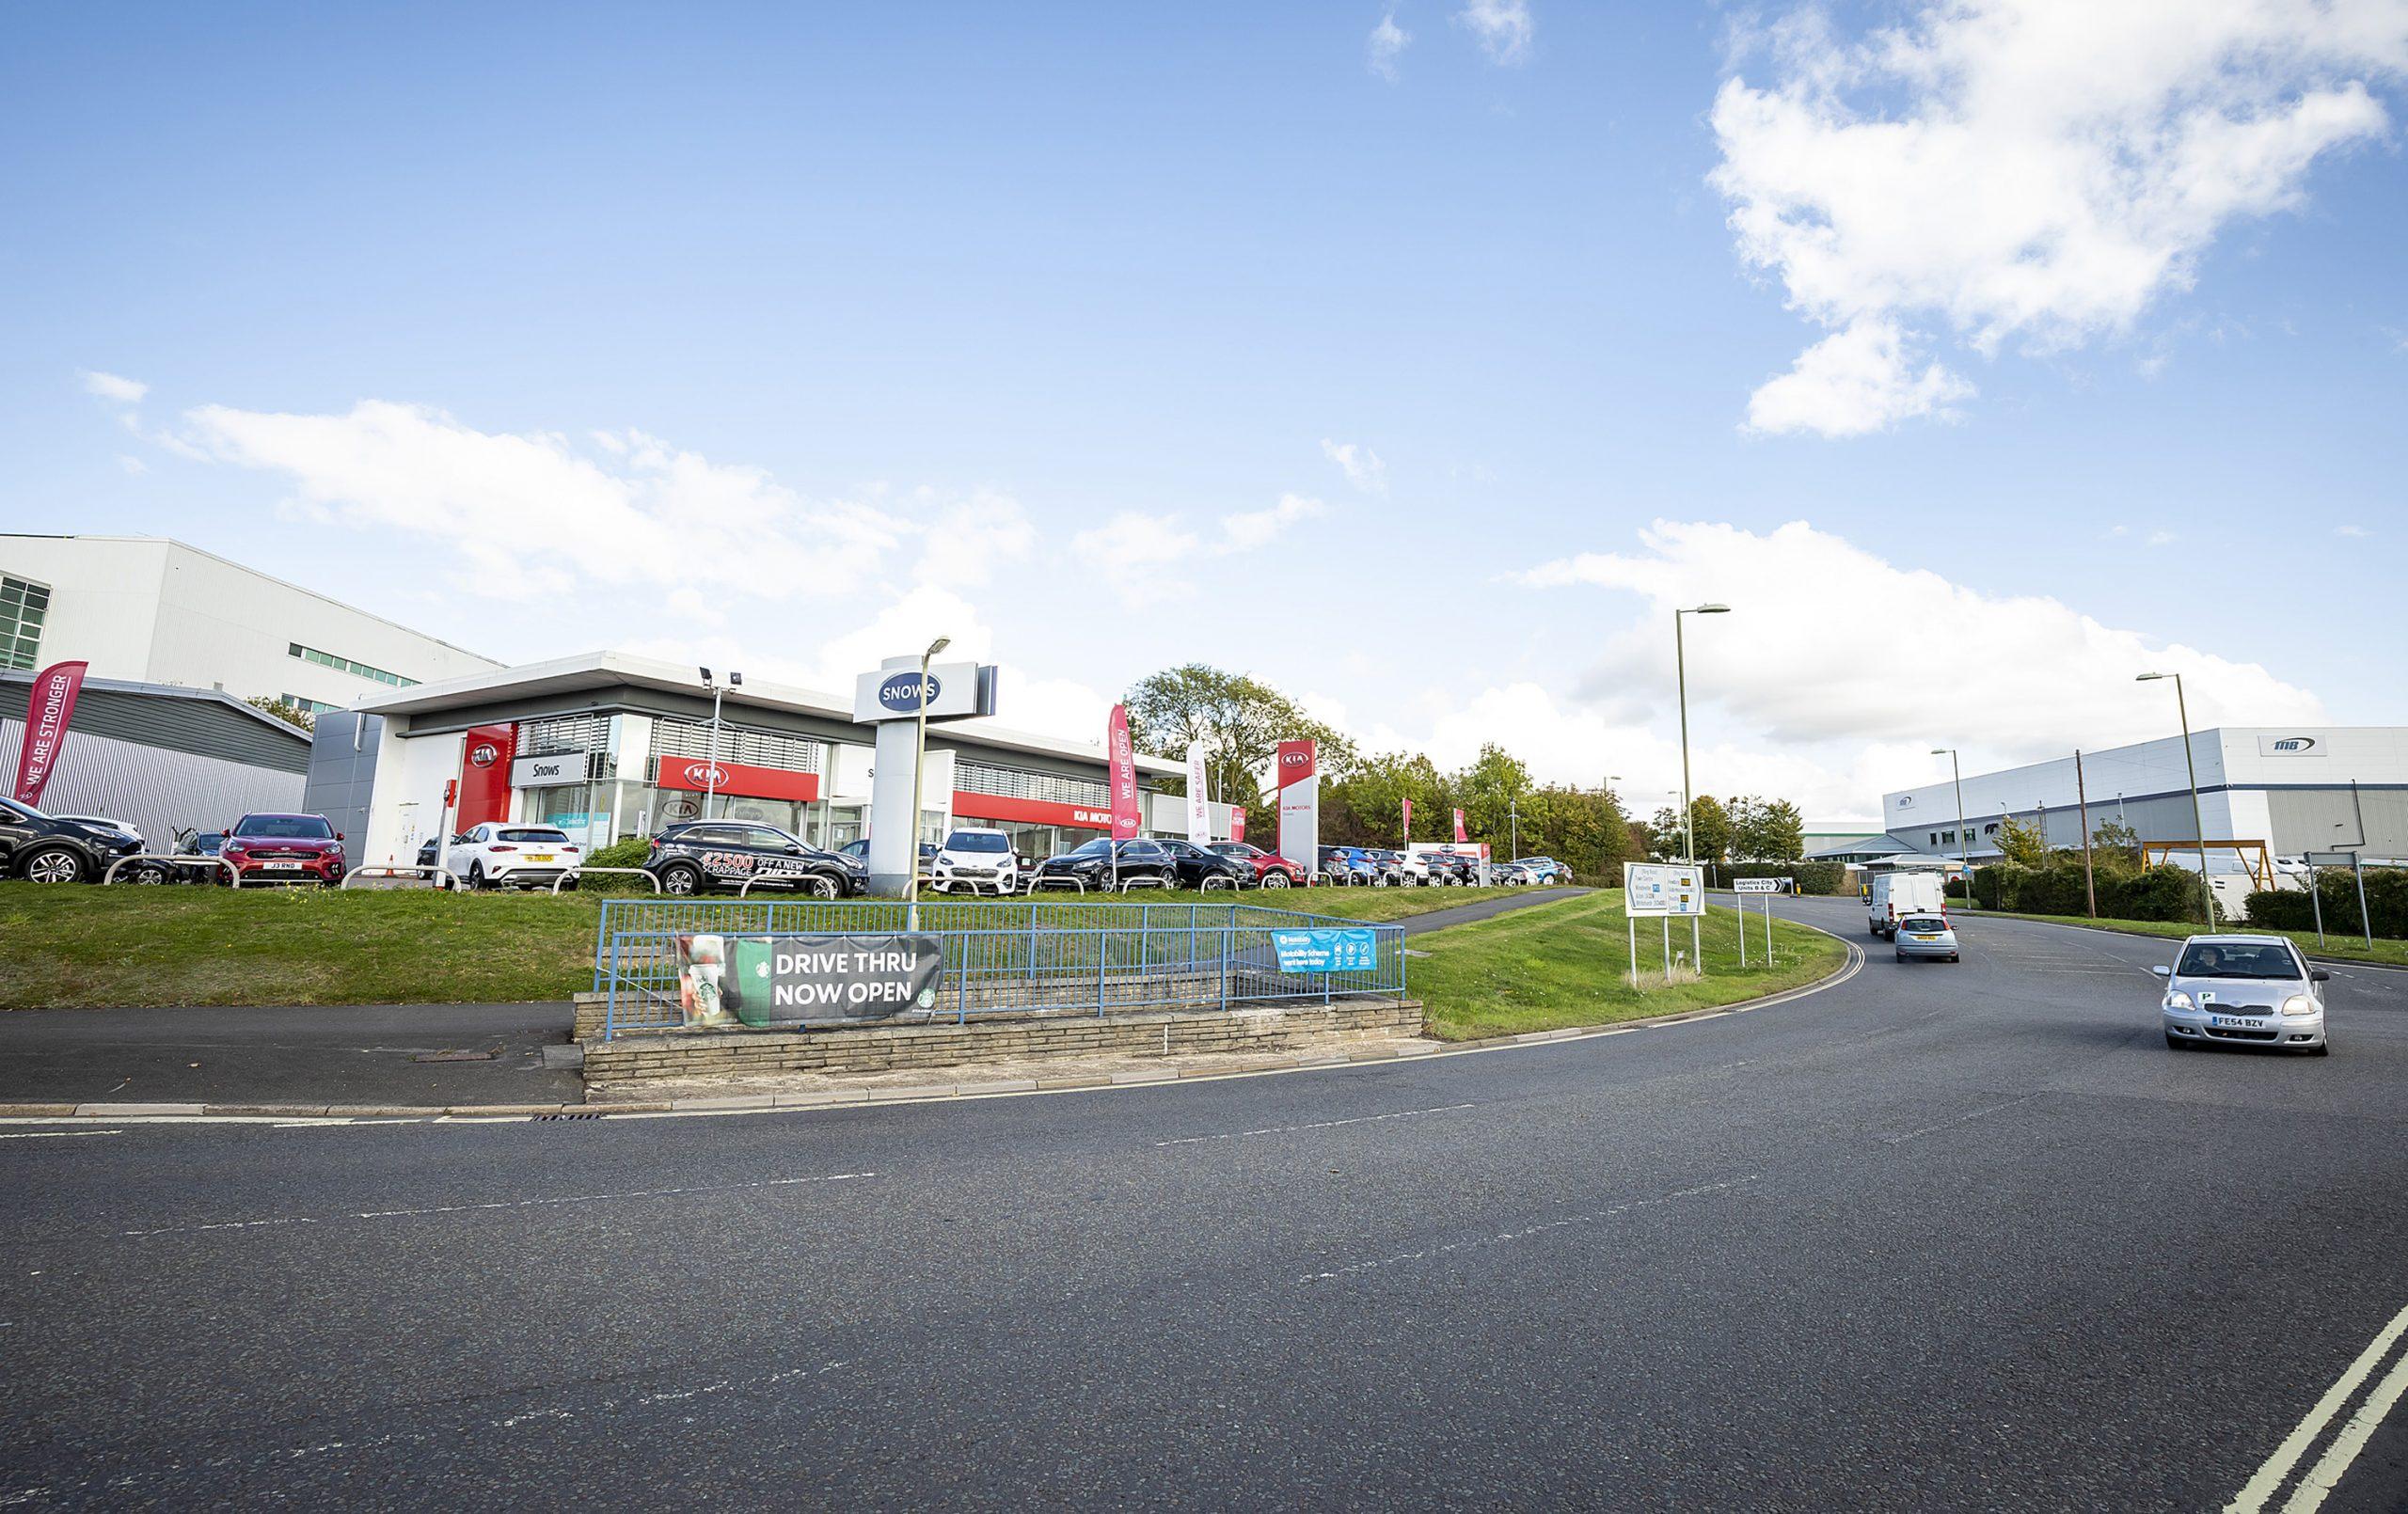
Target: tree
1767 830
1490 791
2021 843
1711 824
1238 720
289 713
1366 808
2116 849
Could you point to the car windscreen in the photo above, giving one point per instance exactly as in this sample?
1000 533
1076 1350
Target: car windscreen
2238 960
1233 848
977 841
286 827
1922 922
1094 848
558 838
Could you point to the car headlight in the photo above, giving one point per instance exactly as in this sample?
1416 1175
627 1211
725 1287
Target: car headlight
2299 1004
2179 1001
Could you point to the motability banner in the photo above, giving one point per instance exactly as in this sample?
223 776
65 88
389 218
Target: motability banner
50 703
1125 814
1459 827
1199 817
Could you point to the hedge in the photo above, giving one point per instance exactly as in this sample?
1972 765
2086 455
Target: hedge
1812 877
2386 901
2160 893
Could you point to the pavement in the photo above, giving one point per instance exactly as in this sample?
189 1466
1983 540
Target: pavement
1940 1236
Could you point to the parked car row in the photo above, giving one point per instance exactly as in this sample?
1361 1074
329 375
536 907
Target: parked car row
263 848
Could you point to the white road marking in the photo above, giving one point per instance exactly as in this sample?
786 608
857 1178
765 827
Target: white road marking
501 1204
1317 1125
56 1135
1524 1234
2258 1490
1962 1119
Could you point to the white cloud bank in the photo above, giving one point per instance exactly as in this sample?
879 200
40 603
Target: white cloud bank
1385 45
1362 466
2037 170
1503 28
1129 552
112 388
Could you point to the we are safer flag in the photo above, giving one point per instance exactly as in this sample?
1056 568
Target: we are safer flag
1126 815
1200 816
50 705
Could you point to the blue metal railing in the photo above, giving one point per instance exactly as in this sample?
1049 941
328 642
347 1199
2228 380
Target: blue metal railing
1007 957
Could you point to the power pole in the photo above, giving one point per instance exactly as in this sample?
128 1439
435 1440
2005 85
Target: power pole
2082 795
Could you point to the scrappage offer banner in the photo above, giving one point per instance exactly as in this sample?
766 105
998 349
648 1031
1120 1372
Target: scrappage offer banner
50 705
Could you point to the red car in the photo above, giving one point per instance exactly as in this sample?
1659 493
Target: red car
1271 870
285 848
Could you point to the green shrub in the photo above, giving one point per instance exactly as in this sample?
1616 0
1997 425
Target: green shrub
2160 893
1812 877
628 853
2386 901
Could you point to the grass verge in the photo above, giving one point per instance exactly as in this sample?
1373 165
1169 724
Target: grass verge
92 947
2337 945
1566 964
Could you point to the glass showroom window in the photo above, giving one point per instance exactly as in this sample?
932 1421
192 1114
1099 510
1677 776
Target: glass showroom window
24 606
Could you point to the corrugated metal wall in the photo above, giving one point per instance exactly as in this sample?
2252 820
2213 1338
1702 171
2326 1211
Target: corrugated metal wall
154 789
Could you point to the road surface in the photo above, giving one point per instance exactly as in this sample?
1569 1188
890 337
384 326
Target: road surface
1942 1237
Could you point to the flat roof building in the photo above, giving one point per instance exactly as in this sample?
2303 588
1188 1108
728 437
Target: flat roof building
608 746
2298 789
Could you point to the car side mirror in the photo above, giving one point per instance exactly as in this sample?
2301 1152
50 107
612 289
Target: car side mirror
2161 971
2318 975
337 835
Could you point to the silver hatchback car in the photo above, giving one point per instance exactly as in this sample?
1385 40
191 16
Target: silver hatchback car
1930 936
2244 990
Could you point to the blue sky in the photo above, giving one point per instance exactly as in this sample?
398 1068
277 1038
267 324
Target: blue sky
1021 323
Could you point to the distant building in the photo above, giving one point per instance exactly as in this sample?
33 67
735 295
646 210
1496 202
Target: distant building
2288 786
145 609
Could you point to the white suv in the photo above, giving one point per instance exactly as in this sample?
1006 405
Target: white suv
497 855
975 859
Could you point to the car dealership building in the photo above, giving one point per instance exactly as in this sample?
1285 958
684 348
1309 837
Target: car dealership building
2298 789
609 746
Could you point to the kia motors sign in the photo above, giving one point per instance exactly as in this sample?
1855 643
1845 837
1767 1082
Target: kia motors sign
736 781
483 754
50 705
955 691
1297 773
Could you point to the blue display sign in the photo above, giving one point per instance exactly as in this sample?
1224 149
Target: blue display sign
1326 951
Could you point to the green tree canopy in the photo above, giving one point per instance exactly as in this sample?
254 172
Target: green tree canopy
1238 720
1767 830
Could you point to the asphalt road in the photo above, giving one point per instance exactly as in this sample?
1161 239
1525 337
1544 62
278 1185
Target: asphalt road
1942 1237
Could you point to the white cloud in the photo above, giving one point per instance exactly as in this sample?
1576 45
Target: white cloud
2352 530
1857 380
111 387
132 465
509 502
1129 550
2052 677
1362 466
1502 27
967 541
2038 171
1388 42
2163 538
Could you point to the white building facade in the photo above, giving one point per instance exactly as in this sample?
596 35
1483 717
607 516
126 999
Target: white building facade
2298 789
146 609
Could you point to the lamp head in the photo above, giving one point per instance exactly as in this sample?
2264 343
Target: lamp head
1943 751
707 675
2149 678
938 645
736 680
1711 609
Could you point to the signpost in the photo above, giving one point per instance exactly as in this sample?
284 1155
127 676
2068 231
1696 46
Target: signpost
1663 890
1768 887
2315 895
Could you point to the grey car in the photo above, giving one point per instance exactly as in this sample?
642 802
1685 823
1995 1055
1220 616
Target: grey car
2244 990
1926 935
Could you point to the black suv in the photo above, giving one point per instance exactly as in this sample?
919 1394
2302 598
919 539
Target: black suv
1091 864
1196 866
696 856
50 850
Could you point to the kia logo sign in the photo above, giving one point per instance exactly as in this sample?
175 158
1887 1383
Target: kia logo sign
703 775
2294 744
901 693
1293 758
484 754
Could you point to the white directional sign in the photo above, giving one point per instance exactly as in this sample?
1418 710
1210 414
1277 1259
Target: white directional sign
1759 885
1651 888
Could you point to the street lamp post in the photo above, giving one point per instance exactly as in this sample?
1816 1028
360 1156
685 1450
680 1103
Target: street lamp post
711 765
2198 827
919 761
1513 820
1964 855
1680 671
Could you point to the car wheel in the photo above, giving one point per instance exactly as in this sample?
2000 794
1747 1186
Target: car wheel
477 877
55 864
2322 1049
148 873
818 886
681 878
1275 880
1902 957
2175 1042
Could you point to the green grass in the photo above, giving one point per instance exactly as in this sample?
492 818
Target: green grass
2336 943
1566 964
87 948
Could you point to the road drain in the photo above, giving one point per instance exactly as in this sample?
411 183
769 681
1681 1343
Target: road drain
454 1056
593 1114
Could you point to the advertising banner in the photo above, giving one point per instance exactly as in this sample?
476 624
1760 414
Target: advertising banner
767 982
1237 824
1299 782
1652 889
1199 817
1127 813
50 705
1325 951
1459 827
1408 822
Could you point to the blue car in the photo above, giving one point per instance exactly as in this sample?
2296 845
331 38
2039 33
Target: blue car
1544 869
1348 864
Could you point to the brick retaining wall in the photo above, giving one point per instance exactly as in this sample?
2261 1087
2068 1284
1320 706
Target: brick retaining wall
895 1048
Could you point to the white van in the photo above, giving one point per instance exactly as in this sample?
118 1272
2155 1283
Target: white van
976 860
1894 895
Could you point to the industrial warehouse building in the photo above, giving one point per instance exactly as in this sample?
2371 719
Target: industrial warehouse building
609 746
2296 789
161 758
